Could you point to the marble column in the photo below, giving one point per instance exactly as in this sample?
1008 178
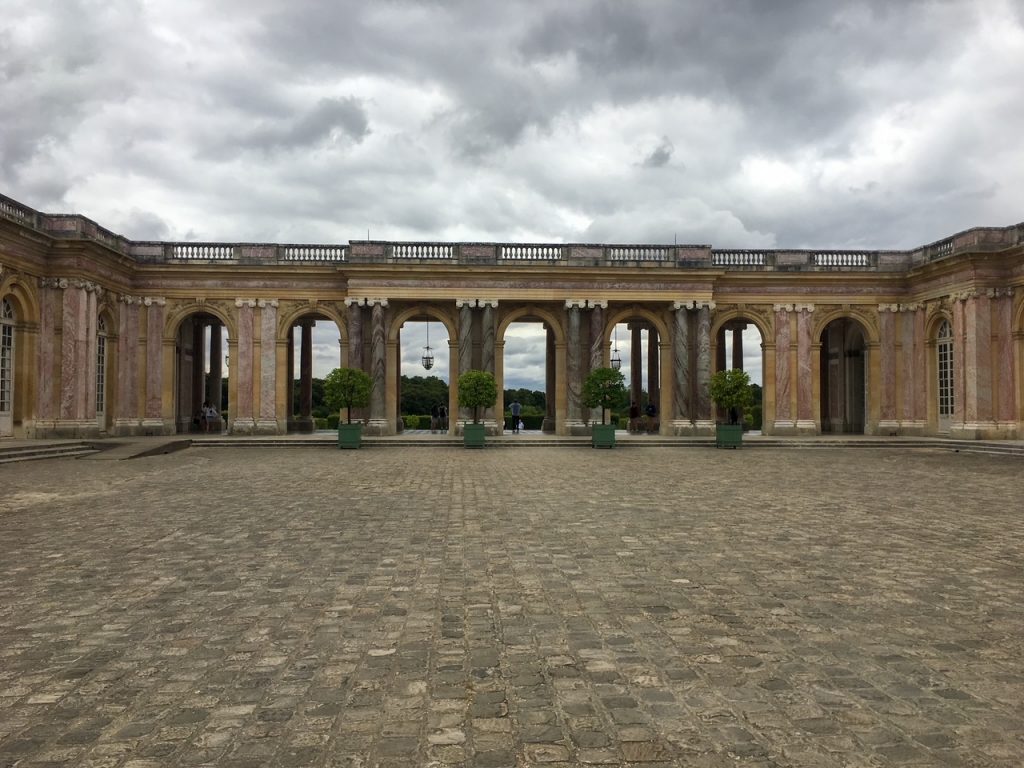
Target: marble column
89 353
244 423
378 356
783 391
267 421
978 413
703 416
216 381
596 351
653 367
682 379
887 367
50 302
636 364
720 356
909 369
153 413
74 328
487 348
921 368
355 336
1007 402
805 380
198 368
574 415
737 347
549 382
126 407
465 349
306 376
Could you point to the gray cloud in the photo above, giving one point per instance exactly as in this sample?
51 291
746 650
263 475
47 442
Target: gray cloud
800 123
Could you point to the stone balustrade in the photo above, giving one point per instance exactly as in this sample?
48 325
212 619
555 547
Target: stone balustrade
74 226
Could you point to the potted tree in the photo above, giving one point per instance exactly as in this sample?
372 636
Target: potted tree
348 388
604 388
731 390
476 390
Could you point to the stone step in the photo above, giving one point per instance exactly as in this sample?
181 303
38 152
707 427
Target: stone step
12 455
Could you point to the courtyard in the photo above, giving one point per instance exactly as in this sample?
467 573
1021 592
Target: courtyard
432 606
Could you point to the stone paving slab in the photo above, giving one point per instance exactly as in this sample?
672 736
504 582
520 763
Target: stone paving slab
547 607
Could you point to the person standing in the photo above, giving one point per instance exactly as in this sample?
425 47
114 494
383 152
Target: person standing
516 409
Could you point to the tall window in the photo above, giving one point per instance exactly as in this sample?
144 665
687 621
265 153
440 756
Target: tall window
6 366
944 347
101 367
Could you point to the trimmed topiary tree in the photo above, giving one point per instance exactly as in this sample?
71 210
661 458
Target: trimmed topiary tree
731 390
604 388
477 390
347 388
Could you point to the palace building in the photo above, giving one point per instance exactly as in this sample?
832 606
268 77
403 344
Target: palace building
102 335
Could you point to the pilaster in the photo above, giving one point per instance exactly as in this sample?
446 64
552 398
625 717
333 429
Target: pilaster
267 422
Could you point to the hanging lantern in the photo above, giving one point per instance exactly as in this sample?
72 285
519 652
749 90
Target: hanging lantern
428 357
616 360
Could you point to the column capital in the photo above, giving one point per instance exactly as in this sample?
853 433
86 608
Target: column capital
266 303
151 300
684 304
782 307
964 295
245 303
995 293
803 307
124 298
475 303
911 307
365 301
888 307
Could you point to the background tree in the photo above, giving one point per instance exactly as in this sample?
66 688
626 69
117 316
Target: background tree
347 388
421 393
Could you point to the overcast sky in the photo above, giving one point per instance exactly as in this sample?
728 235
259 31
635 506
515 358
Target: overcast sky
875 124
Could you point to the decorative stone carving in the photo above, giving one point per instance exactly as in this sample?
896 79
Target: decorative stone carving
250 303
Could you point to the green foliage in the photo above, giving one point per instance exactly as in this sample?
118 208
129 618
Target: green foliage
319 406
532 400
347 388
731 390
320 423
411 422
332 421
604 388
477 390
421 393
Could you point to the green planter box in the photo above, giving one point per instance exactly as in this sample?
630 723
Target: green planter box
603 436
473 435
728 435
350 435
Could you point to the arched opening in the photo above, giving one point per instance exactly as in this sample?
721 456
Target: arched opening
740 345
7 321
843 377
944 370
424 382
201 374
633 342
528 376
314 340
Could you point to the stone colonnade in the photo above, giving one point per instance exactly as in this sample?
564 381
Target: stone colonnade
882 360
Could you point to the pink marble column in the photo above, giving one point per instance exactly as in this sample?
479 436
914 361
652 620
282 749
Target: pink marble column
907 366
737 346
243 368
88 351
783 417
268 365
355 337
73 346
1007 402
126 409
977 363
887 364
636 363
921 367
154 359
805 388
50 302
653 366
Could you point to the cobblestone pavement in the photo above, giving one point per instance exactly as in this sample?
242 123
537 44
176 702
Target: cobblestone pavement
513 607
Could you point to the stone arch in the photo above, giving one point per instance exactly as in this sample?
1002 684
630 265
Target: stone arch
302 418
719 327
848 387
554 384
415 310
192 385
621 314
868 322
326 311
106 362
21 340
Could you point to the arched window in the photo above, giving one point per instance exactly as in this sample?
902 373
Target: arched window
101 369
944 350
6 367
